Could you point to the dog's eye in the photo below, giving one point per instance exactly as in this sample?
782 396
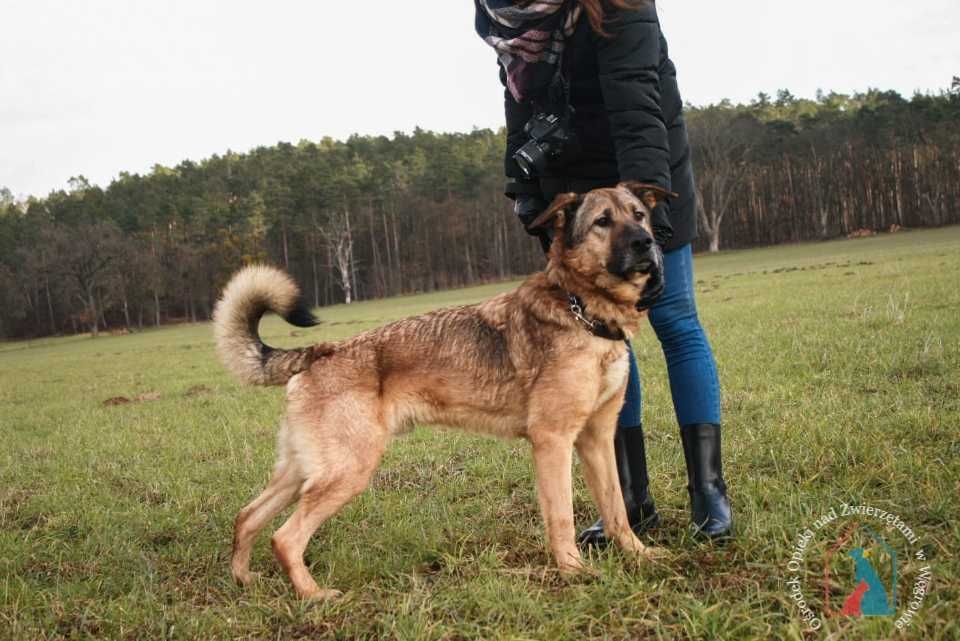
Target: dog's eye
639 214
603 221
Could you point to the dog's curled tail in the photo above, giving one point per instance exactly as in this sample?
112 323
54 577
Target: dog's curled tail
252 292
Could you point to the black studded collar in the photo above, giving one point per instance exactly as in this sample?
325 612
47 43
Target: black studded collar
595 326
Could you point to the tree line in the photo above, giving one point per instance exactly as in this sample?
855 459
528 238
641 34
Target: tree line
371 217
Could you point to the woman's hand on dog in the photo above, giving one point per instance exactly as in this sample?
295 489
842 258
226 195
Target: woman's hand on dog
527 207
652 290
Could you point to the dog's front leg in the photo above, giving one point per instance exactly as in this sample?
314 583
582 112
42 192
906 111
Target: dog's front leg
553 460
595 447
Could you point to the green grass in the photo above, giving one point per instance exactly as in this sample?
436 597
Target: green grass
839 366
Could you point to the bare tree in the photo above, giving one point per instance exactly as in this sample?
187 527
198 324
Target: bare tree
85 255
36 268
134 276
8 292
722 141
339 238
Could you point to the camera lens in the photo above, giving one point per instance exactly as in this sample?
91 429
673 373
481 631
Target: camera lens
531 158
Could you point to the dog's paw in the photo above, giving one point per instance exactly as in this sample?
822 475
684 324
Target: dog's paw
245 577
651 553
321 594
576 569
571 567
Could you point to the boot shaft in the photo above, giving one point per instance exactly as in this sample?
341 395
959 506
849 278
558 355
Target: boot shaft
701 450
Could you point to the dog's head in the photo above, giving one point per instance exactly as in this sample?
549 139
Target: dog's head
604 238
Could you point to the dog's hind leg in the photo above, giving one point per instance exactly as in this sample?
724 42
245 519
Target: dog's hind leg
343 470
280 492
595 448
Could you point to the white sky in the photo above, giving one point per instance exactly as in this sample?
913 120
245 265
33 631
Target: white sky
96 87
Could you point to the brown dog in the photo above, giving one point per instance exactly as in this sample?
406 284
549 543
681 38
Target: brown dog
544 362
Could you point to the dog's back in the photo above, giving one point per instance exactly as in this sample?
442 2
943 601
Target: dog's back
456 366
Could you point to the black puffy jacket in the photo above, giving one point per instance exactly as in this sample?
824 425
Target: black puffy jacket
629 119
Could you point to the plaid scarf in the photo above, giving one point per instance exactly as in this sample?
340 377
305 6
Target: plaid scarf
528 39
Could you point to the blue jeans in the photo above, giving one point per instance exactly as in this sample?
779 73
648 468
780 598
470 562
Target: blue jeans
690 364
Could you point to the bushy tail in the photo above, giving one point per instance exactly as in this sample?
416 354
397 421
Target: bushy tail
252 292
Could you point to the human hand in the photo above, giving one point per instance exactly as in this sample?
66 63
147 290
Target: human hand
527 207
660 222
653 288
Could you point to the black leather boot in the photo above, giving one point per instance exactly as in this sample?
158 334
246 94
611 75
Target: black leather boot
709 504
632 470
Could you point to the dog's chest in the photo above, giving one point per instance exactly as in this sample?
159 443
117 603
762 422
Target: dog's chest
614 376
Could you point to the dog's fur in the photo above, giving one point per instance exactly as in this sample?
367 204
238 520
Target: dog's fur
518 365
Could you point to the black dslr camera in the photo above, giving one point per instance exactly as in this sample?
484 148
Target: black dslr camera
550 130
549 135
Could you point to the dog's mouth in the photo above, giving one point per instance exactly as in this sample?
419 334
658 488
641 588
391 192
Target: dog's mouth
645 266
639 270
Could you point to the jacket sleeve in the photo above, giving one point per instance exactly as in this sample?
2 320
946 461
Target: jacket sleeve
517 116
628 63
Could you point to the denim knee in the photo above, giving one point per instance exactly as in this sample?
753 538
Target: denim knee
675 320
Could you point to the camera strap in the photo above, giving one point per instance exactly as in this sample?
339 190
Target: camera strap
563 71
557 93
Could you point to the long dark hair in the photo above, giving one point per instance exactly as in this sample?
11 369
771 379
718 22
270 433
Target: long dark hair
596 10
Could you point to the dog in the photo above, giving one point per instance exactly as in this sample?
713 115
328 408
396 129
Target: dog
546 362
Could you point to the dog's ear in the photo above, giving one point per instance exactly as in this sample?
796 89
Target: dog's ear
564 206
649 194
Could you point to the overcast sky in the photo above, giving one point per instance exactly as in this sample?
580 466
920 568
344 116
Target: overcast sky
96 87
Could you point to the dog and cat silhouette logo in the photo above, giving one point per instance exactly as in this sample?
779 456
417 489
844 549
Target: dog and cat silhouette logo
865 568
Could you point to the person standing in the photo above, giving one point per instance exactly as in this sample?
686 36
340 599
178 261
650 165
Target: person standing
591 99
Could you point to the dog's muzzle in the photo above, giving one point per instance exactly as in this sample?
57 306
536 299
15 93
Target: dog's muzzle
648 263
638 254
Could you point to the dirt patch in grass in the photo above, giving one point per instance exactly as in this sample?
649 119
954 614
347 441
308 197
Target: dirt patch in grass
14 513
139 398
198 390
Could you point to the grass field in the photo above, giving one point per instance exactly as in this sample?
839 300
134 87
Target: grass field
840 369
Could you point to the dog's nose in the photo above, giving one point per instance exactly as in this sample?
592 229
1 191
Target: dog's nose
641 245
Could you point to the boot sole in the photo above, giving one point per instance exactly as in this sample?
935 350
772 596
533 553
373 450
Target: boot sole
586 541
